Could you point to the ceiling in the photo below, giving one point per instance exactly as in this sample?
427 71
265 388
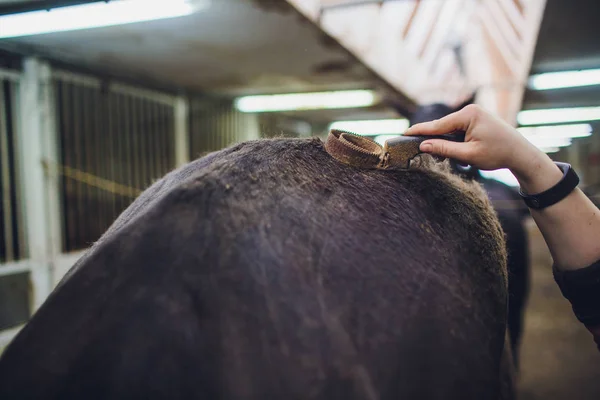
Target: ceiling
238 47
7 3
568 40
233 47
13 6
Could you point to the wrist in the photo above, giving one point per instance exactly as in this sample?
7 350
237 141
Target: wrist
536 172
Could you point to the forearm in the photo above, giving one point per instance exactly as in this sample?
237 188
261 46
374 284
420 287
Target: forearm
571 227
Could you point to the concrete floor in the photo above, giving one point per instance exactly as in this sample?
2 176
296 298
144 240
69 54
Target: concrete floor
559 359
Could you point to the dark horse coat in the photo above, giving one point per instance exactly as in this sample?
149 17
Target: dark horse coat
268 270
511 212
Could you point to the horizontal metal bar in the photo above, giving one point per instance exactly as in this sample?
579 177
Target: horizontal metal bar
76 78
26 6
356 3
70 258
63 264
12 268
146 94
10 75
7 335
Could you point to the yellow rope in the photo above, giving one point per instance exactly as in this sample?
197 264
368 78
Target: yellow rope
128 191
92 180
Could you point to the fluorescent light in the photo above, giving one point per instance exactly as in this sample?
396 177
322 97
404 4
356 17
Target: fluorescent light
565 79
381 139
549 141
372 127
558 115
502 175
568 131
306 101
94 15
549 149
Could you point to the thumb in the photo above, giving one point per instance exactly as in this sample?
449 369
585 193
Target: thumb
447 149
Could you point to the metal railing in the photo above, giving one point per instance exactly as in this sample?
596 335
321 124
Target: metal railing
15 302
215 124
112 134
11 235
75 150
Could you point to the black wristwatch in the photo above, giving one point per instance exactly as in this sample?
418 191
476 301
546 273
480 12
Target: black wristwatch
556 193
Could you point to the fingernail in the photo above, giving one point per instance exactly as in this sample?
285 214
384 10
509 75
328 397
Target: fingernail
426 147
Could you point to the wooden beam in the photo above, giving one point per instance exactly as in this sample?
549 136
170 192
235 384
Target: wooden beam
491 27
499 71
442 30
514 15
402 101
410 44
507 29
533 14
411 18
424 21
393 17
309 8
519 5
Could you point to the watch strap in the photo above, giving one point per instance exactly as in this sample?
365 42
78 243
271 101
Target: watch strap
556 193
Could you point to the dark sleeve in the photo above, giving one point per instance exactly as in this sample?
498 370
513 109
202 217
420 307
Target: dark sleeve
582 288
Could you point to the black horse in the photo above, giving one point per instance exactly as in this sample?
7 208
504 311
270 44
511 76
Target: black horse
511 212
269 270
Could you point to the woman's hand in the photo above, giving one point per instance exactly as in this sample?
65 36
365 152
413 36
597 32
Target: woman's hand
571 227
490 143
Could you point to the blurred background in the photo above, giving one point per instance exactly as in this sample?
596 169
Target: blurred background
98 99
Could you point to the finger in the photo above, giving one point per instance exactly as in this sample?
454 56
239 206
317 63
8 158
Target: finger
447 149
450 123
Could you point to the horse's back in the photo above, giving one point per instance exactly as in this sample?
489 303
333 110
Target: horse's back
274 271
